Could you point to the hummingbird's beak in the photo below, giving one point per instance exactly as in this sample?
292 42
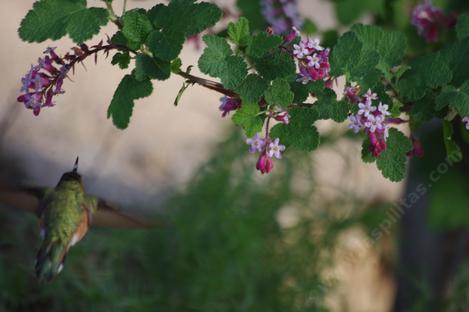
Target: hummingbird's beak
75 166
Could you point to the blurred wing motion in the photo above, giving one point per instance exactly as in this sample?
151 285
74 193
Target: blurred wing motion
28 199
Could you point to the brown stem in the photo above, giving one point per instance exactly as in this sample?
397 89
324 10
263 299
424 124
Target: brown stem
209 84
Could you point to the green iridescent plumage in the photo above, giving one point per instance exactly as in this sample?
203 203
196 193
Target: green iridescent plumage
63 211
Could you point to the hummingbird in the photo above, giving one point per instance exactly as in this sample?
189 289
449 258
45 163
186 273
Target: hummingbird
65 214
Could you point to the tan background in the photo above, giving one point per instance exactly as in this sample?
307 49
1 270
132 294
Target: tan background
163 144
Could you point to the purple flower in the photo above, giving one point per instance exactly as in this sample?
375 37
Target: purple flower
370 96
228 104
355 123
351 92
282 15
275 149
430 20
256 143
300 50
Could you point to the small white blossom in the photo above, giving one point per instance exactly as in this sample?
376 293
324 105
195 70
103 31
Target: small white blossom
365 109
374 122
300 50
256 143
383 109
276 149
370 96
314 44
314 61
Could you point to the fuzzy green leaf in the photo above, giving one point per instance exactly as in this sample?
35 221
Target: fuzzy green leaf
252 88
152 68
392 162
122 103
53 19
275 65
184 17
247 118
261 44
429 71
121 59
136 25
329 108
239 32
164 46
300 132
279 93
234 72
212 61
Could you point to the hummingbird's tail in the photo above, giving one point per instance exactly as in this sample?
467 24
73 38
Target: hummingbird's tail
50 260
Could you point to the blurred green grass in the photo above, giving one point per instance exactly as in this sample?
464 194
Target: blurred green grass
223 250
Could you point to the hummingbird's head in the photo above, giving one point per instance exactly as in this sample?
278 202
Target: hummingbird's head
71 175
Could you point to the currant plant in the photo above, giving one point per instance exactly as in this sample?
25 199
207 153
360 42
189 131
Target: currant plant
275 83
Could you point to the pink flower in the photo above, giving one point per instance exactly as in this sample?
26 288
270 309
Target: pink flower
465 120
264 164
276 149
283 118
282 15
430 20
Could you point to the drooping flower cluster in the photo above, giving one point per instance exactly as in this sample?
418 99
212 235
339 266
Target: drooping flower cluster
228 104
282 15
313 60
430 20
370 118
268 149
45 79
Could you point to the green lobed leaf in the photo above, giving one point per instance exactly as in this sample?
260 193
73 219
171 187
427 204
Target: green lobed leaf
392 162
427 72
390 45
152 68
234 72
164 46
184 17
462 27
274 65
119 39
300 132
239 32
455 56
122 103
247 117
279 93
261 44
352 58
328 107
53 19
252 88
136 25
212 61
121 59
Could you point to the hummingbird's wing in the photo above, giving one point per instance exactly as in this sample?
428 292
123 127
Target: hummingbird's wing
108 215
29 199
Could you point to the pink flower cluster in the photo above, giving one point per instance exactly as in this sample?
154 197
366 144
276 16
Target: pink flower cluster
369 118
282 15
43 81
313 60
430 20
268 149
